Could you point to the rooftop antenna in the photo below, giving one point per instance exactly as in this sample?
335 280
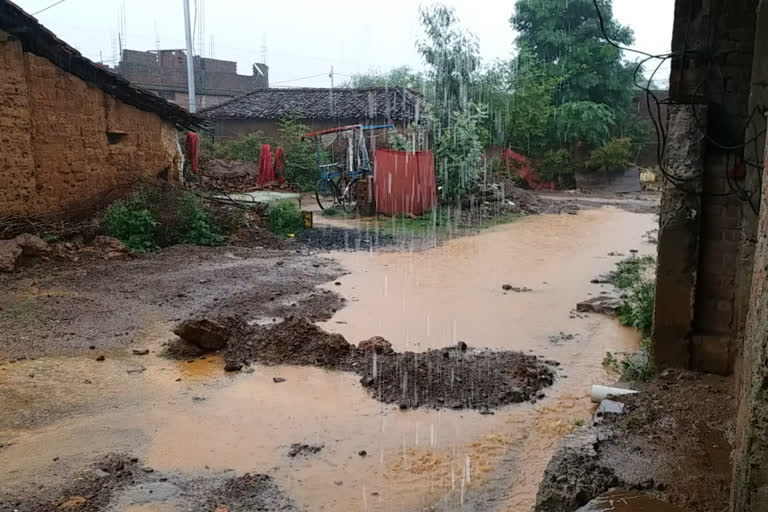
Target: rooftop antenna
200 27
115 56
157 39
212 47
121 28
264 50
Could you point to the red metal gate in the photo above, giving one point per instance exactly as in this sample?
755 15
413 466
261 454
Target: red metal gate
404 182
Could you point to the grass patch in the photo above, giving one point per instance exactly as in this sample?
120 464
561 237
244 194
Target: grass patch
284 218
630 271
334 211
633 367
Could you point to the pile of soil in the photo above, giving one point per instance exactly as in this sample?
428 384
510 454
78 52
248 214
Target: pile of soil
671 443
117 476
248 492
500 187
331 238
90 491
457 377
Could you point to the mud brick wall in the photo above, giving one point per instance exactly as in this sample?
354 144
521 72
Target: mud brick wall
56 153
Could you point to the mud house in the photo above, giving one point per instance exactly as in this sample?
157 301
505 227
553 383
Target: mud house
164 72
318 108
70 129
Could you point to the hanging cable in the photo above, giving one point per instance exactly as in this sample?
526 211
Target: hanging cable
50 6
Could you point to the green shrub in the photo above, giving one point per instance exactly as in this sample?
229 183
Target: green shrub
638 309
556 165
611 156
134 226
300 155
639 366
630 271
284 218
194 224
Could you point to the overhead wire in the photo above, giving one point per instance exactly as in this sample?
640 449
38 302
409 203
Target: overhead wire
49 7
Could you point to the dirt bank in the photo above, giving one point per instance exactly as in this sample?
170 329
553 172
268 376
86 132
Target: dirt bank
670 443
122 482
456 377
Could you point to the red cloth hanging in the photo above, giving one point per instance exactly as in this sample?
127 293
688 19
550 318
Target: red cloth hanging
266 169
191 150
280 164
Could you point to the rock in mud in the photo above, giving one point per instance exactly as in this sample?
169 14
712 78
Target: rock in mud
140 351
73 503
376 344
304 449
233 366
574 475
278 380
603 304
516 289
109 244
9 253
32 245
204 333
250 492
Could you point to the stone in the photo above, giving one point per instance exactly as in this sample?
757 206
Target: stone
233 366
376 344
603 304
278 380
9 253
362 453
607 407
109 244
140 351
73 503
203 333
32 245
100 358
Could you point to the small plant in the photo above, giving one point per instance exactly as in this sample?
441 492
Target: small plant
397 141
630 271
639 366
284 218
132 224
194 224
333 211
638 309
610 362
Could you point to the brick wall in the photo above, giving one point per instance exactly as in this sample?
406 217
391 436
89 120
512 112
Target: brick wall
718 38
56 154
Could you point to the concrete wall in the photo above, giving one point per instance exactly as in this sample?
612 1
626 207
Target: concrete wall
722 82
55 154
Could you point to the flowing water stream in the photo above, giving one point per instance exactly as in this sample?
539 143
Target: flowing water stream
209 422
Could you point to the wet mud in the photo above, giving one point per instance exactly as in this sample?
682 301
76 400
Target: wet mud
201 427
670 444
457 377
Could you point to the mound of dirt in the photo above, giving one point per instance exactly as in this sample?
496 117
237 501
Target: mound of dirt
249 492
294 341
90 491
457 377
450 377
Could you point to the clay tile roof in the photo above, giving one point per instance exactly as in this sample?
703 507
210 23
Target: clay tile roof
37 39
390 104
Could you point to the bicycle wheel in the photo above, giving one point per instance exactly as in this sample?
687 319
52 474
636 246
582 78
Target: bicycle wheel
327 193
349 197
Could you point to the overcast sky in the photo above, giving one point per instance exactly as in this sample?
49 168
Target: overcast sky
305 38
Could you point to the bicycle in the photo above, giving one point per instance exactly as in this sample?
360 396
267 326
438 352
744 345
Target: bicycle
338 188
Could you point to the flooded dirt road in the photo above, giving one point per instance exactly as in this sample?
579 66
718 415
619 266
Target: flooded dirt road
374 456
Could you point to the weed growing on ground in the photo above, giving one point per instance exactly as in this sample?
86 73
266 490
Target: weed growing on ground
284 218
132 224
636 366
630 271
637 311
154 217
333 212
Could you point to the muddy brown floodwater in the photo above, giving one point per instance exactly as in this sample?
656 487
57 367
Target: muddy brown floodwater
210 422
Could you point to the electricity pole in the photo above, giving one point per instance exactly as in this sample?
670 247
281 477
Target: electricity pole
190 59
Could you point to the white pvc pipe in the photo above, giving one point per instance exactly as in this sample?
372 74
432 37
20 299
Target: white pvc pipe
600 393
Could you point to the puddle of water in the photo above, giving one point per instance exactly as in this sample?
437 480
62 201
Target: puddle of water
628 501
211 421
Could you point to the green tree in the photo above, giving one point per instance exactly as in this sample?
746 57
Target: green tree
565 36
458 152
453 57
402 76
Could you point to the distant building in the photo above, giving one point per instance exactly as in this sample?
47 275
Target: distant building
318 108
164 72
